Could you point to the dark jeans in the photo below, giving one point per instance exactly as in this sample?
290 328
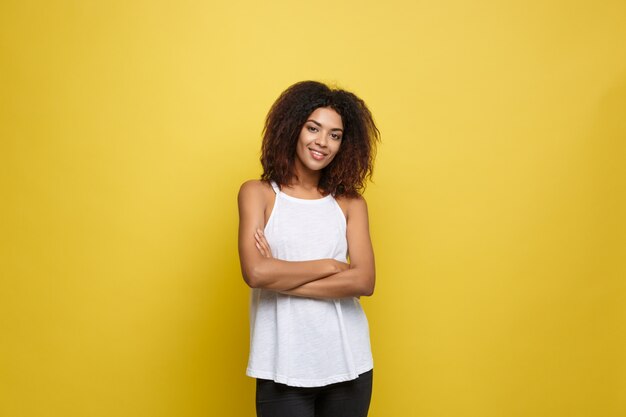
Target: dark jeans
342 399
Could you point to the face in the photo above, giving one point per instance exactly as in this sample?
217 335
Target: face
320 139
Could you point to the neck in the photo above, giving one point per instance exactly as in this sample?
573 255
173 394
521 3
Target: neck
306 178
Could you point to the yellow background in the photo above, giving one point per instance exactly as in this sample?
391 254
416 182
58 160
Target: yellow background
497 213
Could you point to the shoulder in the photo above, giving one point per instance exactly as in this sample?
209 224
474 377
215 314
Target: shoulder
352 201
254 190
352 205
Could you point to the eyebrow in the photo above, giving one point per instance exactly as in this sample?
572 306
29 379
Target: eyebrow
320 125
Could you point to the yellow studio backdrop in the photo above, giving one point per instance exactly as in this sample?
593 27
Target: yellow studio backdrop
497 213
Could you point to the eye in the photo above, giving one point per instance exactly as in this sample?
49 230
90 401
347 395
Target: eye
335 136
311 128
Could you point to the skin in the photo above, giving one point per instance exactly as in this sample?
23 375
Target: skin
322 278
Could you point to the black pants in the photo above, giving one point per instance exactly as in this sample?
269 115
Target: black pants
343 399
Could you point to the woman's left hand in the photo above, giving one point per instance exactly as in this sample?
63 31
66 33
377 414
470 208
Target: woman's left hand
262 245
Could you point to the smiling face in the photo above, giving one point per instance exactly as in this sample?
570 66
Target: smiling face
320 139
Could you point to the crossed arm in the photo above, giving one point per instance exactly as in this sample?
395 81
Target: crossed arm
321 278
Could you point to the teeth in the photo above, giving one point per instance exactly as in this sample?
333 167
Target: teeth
317 153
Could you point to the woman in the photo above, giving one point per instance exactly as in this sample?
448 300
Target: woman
309 337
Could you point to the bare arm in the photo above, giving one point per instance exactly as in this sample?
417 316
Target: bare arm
349 283
266 272
359 279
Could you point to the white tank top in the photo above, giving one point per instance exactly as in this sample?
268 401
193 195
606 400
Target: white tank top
298 341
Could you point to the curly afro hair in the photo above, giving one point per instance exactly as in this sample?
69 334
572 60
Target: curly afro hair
349 171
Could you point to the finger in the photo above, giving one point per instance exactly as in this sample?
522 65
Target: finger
260 237
262 246
266 252
257 237
261 250
259 240
263 242
266 245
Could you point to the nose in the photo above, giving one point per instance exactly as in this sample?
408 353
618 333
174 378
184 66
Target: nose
321 139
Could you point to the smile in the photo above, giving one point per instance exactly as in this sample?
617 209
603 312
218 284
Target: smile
317 155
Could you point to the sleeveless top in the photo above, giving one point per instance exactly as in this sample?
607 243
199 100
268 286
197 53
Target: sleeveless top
301 341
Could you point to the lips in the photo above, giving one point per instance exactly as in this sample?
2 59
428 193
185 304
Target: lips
317 155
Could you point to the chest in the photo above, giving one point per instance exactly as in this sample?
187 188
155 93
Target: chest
311 231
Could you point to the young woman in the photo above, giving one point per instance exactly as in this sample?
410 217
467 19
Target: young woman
298 225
